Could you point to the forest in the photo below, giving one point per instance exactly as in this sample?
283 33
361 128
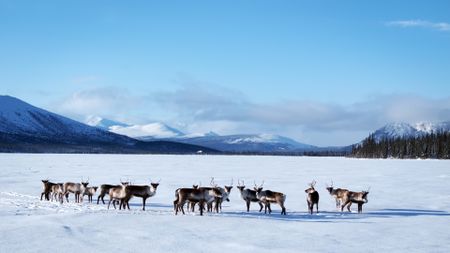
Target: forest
433 145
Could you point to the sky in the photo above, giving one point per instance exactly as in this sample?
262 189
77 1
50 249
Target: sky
321 72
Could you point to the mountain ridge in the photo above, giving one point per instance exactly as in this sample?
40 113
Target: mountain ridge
26 128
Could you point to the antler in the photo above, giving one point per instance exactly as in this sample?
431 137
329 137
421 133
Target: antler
262 184
212 182
313 183
231 182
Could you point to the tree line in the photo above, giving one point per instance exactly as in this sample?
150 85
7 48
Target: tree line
433 145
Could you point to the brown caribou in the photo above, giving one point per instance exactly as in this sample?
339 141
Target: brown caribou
141 191
268 196
200 195
89 191
58 192
248 196
75 188
104 189
117 195
194 186
312 197
337 193
46 189
355 197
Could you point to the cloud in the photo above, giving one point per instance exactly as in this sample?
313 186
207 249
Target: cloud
200 108
105 101
229 112
439 26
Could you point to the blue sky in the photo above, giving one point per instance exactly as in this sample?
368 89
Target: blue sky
321 72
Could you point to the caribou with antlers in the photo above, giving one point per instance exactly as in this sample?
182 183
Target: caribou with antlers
225 193
268 196
117 195
104 189
226 190
248 196
312 197
338 193
75 188
46 189
142 191
201 195
194 186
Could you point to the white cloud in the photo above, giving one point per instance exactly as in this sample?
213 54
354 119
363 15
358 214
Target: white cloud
198 108
439 26
205 109
106 101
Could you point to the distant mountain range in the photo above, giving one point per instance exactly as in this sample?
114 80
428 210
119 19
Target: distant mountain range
398 130
25 128
225 143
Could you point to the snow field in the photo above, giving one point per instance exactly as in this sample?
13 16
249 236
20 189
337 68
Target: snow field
408 209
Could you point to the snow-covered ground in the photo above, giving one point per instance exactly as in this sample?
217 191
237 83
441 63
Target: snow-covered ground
408 209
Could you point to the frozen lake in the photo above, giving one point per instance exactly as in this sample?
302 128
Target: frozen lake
408 209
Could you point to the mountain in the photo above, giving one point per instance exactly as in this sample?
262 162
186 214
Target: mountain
227 143
151 131
155 130
398 130
102 123
26 128
248 143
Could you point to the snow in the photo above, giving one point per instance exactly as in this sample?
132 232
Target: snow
401 129
18 117
102 123
408 208
153 130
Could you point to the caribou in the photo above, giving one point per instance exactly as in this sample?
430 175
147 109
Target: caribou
355 197
338 193
142 191
104 189
117 194
57 192
75 188
312 197
248 196
268 196
194 186
225 192
46 189
89 191
200 195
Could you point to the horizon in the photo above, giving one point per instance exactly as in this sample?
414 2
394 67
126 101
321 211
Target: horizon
321 76
96 122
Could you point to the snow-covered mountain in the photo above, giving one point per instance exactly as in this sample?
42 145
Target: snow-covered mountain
20 118
102 123
151 131
155 130
229 143
397 130
26 128
249 143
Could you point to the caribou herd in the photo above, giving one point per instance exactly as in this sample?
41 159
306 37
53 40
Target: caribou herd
210 197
